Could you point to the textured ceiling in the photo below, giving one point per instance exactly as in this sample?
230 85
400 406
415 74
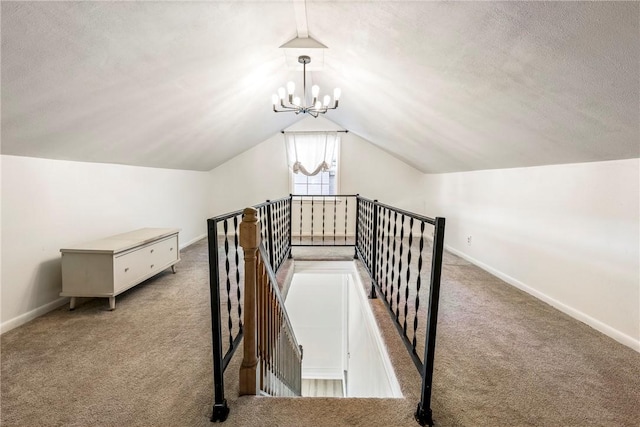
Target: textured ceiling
443 86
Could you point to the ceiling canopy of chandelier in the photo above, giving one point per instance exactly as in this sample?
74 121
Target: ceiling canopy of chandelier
295 104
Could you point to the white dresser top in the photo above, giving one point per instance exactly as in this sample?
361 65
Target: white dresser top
122 242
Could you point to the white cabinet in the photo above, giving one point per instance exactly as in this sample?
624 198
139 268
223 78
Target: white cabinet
110 266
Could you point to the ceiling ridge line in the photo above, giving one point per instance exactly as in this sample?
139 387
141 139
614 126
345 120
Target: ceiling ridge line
300 11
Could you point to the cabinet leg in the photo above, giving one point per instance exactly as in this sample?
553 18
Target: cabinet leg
112 303
72 303
173 268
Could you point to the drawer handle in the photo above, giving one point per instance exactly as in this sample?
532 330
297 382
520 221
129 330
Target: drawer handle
151 250
126 269
170 249
151 265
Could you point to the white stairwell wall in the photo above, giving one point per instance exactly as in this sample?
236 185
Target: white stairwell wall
332 320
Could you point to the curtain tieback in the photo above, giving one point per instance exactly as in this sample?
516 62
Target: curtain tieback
299 167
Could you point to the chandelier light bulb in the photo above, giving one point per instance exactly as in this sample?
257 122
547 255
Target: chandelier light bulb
274 99
336 93
281 93
315 90
291 87
296 101
327 100
318 105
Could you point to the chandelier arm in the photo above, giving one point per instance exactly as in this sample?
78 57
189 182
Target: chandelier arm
287 108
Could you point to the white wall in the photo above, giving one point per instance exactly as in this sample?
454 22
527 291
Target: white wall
49 204
369 371
261 173
375 174
568 234
315 307
250 178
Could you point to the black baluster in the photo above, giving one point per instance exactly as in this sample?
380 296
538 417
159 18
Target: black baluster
290 225
380 252
323 210
278 233
225 227
358 223
269 223
283 236
300 220
237 262
374 259
364 232
386 274
346 210
418 284
378 238
400 268
393 256
371 235
406 290
358 226
335 207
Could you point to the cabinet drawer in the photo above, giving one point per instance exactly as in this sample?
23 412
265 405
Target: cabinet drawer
129 268
163 252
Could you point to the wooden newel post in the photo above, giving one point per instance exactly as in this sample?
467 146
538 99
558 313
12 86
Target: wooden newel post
250 241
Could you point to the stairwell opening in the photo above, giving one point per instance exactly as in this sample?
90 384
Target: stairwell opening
344 354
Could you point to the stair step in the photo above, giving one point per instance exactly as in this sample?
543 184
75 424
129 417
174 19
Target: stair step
316 387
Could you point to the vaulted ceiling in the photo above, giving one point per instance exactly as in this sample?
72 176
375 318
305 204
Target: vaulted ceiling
444 86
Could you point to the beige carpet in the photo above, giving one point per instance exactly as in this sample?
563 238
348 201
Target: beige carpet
503 359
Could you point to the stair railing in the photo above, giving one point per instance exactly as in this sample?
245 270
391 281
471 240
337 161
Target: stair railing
401 251
225 267
226 272
323 220
393 245
272 360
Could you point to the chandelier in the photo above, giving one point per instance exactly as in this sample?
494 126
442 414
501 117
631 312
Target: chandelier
297 105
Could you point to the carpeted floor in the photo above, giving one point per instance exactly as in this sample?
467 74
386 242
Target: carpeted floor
503 358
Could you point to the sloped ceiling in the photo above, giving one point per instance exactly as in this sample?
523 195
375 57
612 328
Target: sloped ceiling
443 86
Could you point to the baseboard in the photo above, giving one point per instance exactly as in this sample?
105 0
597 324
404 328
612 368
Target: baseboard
30 315
576 314
192 241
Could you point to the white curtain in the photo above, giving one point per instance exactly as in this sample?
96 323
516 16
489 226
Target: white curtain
311 152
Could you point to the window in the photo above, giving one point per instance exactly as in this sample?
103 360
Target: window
324 183
313 162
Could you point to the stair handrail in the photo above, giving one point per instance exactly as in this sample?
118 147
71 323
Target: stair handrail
268 366
288 368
